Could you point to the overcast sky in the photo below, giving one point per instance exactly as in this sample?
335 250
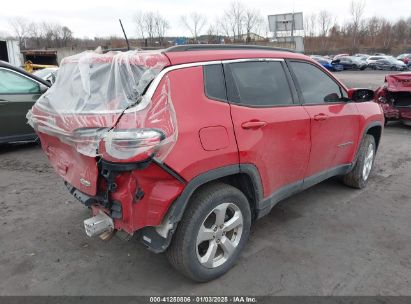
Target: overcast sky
90 18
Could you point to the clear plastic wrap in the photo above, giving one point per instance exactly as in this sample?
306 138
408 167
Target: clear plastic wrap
99 104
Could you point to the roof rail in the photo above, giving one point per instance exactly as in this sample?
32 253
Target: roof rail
206 47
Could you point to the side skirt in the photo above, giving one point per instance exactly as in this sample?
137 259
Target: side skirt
157 239
264 207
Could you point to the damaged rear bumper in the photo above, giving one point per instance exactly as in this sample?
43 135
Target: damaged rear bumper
137 197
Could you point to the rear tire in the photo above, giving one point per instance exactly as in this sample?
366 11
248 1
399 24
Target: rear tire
359 175
214 230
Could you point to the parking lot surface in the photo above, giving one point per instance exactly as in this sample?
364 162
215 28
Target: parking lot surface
368 79
328 240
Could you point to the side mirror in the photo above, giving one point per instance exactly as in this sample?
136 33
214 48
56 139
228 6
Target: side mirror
361 95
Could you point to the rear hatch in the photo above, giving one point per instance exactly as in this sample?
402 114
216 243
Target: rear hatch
91 93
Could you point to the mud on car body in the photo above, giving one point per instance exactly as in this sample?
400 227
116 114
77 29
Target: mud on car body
185 147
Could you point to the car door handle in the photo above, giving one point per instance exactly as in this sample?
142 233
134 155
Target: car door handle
253 124
320 117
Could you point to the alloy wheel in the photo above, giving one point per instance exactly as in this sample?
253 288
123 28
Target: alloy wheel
369 159
219 235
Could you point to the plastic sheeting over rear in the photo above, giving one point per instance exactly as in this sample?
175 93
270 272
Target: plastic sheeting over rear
93 91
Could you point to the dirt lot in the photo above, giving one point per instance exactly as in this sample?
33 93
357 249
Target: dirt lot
328 240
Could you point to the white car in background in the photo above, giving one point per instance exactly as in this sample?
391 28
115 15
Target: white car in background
373 59
48 74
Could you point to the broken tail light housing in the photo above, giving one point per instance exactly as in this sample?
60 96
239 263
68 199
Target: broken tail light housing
130 145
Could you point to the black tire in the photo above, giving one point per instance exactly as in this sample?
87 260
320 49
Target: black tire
182 253
356 178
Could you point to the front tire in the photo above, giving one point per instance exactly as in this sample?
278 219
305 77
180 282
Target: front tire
359 175
214 230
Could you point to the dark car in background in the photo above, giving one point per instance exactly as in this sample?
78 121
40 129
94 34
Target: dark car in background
388 63
352 63
395 97
19 91
331 65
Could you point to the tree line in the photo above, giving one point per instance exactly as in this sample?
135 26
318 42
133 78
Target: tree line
238 23
40 35
323 33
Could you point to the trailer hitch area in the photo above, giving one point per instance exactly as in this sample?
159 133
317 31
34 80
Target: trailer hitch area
100 224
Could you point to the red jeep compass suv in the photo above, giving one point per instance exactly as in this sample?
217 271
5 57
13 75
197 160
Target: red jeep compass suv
185 147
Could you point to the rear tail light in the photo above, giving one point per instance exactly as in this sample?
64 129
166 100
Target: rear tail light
86 140
131 145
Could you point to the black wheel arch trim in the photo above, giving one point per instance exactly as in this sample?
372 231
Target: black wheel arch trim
366 129
372 125
158 243
176 211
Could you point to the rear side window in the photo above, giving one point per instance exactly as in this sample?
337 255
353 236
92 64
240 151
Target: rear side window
214 82
316 86
262 83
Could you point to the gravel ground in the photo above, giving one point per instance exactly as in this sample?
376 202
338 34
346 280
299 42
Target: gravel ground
328 240
368 79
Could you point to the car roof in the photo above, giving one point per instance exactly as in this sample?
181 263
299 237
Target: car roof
198 53
6 65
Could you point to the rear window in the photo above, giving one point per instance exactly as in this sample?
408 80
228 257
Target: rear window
214 83
259 84
99 83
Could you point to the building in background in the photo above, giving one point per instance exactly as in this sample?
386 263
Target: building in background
10 52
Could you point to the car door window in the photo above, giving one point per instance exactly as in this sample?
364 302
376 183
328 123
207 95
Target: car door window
13 83
316 86
258 83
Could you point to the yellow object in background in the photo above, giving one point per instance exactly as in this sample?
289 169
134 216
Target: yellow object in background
31 67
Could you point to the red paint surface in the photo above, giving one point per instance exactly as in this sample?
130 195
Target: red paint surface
214 138
280 149
286 144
